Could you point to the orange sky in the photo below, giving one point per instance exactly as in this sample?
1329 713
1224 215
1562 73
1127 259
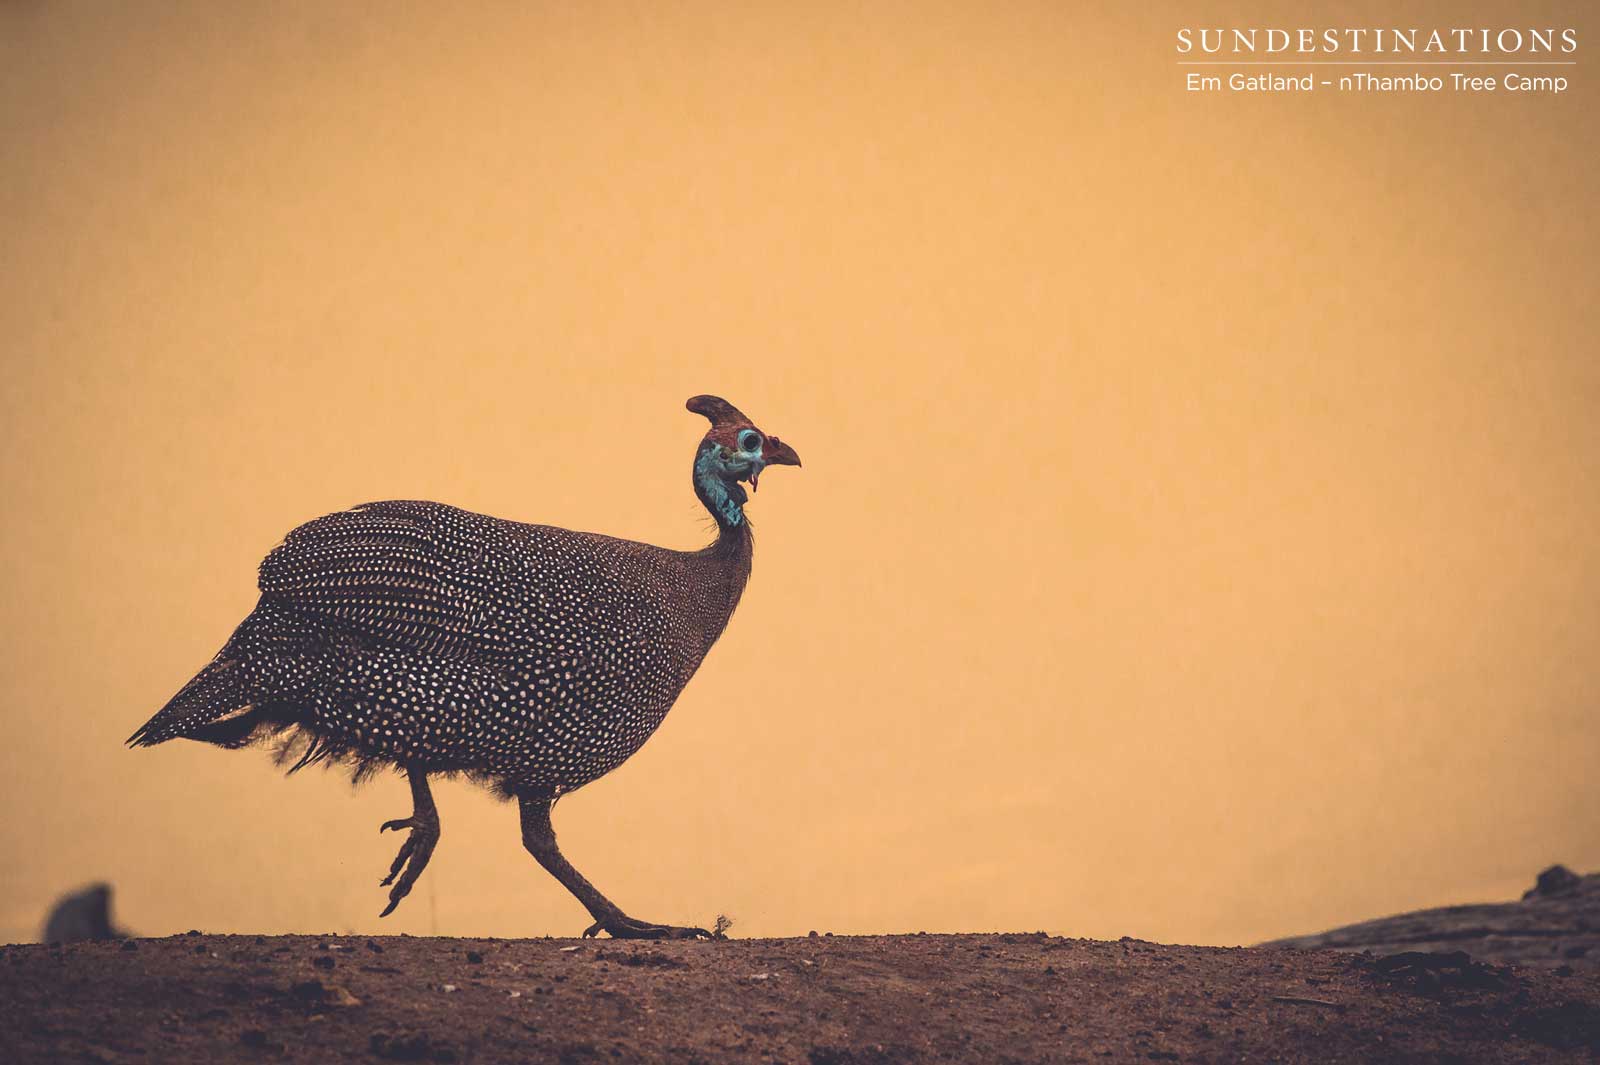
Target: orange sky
1196 536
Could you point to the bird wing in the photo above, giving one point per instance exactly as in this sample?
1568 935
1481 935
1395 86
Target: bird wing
405 573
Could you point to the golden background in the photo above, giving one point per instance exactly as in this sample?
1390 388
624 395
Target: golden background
1196 539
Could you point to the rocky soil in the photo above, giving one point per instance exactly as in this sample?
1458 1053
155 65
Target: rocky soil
1556 923
821 1000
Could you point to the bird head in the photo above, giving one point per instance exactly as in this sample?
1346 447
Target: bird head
733 450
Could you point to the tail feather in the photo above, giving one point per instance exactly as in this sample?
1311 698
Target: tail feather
214 705
269 667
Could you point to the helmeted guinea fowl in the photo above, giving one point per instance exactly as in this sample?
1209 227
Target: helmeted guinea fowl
533 658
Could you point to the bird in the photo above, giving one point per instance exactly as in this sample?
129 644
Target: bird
418 637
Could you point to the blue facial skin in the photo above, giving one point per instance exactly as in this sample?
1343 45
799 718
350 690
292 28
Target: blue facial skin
719 469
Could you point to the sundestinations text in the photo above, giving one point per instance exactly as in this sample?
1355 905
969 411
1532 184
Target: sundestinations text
1377 40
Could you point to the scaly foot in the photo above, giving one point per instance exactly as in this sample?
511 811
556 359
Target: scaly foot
624 927
412 859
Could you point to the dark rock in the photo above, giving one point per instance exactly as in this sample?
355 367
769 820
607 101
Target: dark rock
1431 972
83 915
309 991
1556 880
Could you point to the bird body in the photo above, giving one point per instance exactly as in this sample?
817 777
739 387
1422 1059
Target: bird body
419 634
429 638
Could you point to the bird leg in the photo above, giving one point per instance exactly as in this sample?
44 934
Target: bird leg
418 847
540 839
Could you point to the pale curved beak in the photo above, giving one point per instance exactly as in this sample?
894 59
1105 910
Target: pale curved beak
776 453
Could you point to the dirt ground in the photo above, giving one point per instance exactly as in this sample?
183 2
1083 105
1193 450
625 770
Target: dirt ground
1556 923
820 1000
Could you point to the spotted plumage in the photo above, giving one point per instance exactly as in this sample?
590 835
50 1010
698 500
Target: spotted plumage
426 637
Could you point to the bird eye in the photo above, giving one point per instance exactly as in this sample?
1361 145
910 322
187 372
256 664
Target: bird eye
749 440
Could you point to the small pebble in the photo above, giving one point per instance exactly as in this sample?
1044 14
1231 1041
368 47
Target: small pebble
309 991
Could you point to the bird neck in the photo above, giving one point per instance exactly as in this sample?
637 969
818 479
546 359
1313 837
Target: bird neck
723 498
718 573
723 566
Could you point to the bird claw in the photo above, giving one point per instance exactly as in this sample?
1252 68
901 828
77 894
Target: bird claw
412 859
625 927
406 850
